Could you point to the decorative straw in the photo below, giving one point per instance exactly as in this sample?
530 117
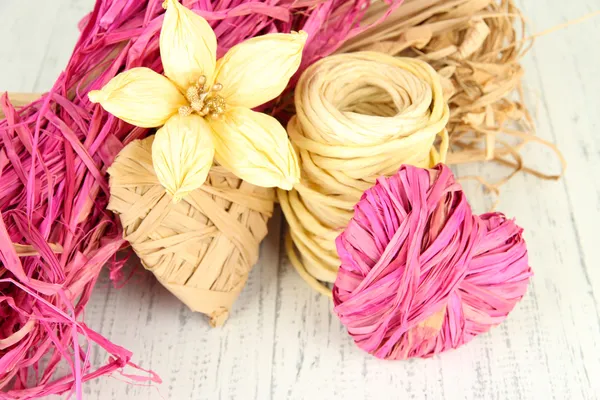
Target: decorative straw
477 49
201 248
359 116
420 273
55 232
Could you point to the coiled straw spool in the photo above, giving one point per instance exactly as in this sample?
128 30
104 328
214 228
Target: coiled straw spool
201 248
359 116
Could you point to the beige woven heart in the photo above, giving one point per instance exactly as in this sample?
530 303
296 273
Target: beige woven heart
202 248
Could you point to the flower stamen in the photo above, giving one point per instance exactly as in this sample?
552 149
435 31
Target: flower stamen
185 111
203 101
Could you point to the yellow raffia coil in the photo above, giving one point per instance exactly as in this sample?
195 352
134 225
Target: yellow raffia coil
358 116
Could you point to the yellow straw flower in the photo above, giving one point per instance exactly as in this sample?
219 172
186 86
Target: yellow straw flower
204 104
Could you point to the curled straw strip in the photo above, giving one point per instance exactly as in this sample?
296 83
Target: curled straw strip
54 189
359 116
477 49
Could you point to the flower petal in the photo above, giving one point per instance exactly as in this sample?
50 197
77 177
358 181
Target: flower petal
182 154
188 45
257 70
140 97
255 147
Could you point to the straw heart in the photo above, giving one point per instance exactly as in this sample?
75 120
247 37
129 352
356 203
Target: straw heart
201 248
205 105
420 273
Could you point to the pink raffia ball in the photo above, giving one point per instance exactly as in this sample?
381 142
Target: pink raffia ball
420 274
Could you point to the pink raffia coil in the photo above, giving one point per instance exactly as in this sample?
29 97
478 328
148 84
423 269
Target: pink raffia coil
420 274
55 232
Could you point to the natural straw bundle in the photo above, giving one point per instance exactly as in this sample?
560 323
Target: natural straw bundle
201 248
359 116
476 47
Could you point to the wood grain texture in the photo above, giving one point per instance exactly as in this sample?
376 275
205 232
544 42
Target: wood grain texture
283 342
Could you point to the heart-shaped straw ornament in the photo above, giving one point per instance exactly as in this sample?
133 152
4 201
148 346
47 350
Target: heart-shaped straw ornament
420 274
201 248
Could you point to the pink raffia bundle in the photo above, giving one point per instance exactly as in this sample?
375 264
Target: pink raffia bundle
55 232
420 273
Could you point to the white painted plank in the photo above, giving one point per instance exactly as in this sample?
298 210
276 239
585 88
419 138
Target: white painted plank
569 116
38 37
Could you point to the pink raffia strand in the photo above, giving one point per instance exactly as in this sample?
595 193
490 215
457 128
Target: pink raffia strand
54 190
420 273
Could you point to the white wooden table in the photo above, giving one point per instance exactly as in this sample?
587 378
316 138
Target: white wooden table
283 342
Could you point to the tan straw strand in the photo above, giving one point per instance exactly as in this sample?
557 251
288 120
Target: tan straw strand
477 46
201 248
19 100
358 116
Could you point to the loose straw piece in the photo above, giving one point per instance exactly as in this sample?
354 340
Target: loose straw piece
24 250
359 116
201 248
477 49
19 100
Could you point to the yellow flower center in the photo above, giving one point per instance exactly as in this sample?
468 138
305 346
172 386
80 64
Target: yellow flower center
203 101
